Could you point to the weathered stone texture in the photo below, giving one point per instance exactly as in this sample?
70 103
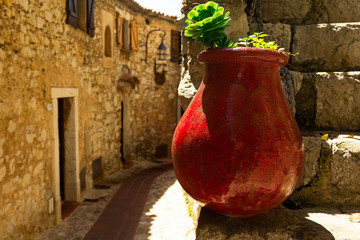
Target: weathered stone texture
323 47
327 100
285 11
39 51
311 163
287 85
310 11
345 165
305 101
280 33
333 171
342 10
338 100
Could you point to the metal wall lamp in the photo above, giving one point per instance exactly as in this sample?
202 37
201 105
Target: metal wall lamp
161 52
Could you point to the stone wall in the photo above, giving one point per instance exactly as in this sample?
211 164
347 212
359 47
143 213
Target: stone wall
40 52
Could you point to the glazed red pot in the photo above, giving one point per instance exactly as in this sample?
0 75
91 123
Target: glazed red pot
237 149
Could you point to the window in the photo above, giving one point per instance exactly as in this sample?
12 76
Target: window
108 42
119 27
175 45
107 27
127 34
80 14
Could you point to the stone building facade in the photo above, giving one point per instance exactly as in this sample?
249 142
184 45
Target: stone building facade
77 101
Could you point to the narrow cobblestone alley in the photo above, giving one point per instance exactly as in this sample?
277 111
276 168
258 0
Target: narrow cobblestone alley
138 205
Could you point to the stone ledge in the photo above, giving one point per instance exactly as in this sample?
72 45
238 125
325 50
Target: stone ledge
279 224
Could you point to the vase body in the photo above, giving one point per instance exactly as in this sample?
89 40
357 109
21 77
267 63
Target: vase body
237 149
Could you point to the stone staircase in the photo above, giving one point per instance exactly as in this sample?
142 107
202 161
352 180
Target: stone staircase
324 92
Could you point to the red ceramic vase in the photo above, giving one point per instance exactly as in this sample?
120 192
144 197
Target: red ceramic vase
237 149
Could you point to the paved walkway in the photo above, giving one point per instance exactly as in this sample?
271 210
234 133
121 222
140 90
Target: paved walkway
121 216
149 205
137 205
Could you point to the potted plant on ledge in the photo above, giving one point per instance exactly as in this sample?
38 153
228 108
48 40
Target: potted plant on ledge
237 149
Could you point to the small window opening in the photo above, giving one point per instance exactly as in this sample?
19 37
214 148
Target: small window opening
81 12
108 42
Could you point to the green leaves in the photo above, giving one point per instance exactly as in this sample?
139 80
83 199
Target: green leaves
206 23
257 40
225 42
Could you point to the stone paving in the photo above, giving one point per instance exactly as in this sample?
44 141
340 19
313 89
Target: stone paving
165 215
80 222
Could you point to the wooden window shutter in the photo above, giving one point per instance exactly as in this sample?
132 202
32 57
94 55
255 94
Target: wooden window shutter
126 35
175 44
119 30
134 37
90 27
71 13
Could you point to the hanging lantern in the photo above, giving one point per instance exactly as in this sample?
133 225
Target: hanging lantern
161 52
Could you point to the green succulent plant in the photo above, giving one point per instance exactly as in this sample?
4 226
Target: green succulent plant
206 23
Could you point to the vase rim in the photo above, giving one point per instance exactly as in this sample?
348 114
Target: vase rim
241 53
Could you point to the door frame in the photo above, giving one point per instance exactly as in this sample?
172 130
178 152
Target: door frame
72 93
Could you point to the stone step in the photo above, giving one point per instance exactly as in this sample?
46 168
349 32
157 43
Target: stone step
280 224
296 12
326 47
331 170
327 100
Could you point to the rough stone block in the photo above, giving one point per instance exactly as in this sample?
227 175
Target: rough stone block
336 181
323 47
238 24
337 100
281 33
310 12
345 164
277 224
285 11
340 11
327 100
312 156
305 100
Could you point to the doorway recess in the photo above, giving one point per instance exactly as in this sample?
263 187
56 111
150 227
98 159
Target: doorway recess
66 182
